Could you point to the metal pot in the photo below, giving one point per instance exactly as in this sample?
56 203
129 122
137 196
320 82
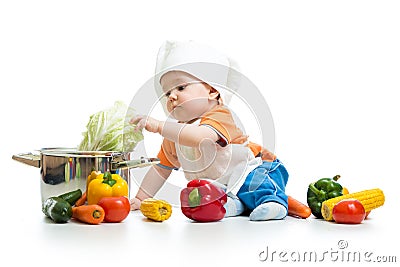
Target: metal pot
64 169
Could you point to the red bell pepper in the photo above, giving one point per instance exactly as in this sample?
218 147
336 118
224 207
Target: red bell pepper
202 201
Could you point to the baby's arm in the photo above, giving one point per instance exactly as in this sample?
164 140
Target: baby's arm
152 182
187 134
182 133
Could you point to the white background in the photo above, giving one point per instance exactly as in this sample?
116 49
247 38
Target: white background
329 72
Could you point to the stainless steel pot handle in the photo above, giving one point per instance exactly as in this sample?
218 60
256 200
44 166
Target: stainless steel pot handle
34 160
136 163
28 158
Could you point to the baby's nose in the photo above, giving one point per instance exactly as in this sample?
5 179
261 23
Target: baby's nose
172 95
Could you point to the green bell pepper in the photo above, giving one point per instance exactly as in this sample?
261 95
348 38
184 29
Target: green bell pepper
321 190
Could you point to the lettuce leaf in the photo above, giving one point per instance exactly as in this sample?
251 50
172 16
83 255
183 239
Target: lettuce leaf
110 130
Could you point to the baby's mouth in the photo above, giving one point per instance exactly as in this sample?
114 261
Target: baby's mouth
175 106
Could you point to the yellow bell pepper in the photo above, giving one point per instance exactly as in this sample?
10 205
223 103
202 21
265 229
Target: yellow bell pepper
93 175
106 185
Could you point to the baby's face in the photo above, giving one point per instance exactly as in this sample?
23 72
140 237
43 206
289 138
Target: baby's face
187 97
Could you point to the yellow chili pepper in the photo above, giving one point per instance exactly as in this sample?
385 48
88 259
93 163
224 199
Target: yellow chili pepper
106 185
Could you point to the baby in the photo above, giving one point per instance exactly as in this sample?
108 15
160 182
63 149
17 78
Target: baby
205 139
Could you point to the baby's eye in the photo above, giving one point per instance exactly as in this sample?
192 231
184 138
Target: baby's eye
181 87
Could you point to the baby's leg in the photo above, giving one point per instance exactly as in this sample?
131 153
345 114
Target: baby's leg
264 192
233 207
268 211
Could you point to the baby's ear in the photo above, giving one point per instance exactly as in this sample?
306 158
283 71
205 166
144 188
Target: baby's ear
214 94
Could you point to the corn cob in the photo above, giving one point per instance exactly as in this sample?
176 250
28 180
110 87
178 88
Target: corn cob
156 210
370 199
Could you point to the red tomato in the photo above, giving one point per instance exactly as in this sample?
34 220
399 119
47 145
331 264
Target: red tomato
116 208
349 211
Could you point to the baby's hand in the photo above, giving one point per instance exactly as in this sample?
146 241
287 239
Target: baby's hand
135 203
149 123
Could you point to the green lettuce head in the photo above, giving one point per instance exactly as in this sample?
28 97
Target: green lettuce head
110 130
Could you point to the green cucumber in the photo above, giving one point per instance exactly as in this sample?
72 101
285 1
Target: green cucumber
57 209
72 197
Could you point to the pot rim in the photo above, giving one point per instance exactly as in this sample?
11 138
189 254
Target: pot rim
73 152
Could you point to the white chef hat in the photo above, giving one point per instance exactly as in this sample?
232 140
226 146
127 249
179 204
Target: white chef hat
201 61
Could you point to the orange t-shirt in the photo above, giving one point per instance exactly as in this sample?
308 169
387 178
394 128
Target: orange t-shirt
219 119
